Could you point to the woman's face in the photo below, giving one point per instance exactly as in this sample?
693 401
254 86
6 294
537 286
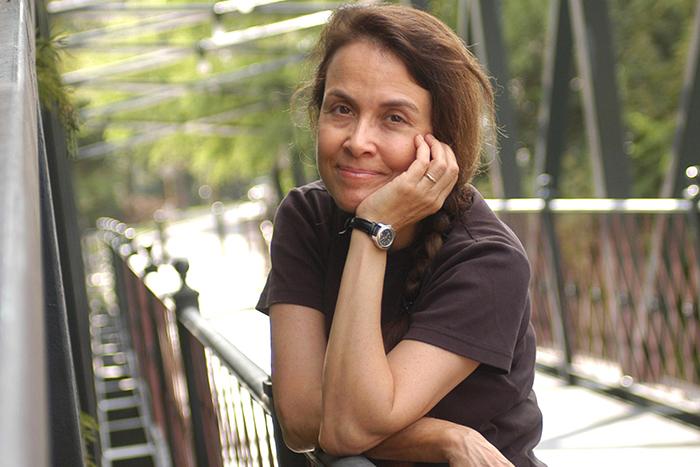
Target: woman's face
372 110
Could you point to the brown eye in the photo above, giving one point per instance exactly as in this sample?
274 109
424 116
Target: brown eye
396 118
342 109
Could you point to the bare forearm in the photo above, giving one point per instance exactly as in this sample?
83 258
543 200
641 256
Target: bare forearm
357 379
426 440
298 347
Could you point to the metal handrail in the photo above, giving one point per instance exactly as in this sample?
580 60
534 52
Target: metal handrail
247 372
23 400
252 377
592 205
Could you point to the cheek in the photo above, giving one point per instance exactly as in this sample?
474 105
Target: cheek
399 152
326 143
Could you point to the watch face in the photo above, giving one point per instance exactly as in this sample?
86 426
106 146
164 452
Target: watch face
385 237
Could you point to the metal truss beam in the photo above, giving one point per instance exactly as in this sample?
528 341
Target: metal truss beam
91 8
150 24
228 39
143 62
165 56
555 83
687 138
154 132
80 6
211 83
137 49
216 119
486 32
592 39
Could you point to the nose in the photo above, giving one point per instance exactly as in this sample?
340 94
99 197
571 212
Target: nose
361 140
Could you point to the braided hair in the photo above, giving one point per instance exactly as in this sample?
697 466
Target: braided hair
462 105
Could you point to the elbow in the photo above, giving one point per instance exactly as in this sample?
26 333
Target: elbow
294 438
299 432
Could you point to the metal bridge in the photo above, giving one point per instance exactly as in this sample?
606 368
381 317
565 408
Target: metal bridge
103 361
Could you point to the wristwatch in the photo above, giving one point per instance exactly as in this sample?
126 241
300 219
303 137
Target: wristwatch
382 234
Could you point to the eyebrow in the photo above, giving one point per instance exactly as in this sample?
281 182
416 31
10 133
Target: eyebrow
397 102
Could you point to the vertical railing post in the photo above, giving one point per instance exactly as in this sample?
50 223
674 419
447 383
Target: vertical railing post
149 312
151 265
194 362
692 194
217 210
159 217
112 238
556 294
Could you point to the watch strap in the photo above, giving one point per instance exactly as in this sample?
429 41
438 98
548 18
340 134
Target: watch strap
368 227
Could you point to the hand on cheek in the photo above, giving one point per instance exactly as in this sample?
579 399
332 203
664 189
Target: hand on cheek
412 196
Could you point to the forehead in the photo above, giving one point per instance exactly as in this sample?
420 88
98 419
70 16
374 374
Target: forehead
366 68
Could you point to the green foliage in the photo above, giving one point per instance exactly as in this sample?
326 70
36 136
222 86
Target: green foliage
53 94
264 135
650 42
89 430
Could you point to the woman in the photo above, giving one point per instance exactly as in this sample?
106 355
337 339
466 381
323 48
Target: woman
398 301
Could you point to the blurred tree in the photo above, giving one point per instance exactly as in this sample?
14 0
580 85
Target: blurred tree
650 42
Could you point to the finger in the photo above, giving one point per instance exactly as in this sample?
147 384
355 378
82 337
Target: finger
442 165
433 172
418 167
438 162
452 168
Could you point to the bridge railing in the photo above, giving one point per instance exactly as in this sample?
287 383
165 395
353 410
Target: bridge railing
39 405
615 291
211 403
24 438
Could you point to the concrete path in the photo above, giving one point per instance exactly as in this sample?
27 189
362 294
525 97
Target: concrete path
581 427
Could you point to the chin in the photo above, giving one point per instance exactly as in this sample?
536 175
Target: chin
346 205
347 196
347 202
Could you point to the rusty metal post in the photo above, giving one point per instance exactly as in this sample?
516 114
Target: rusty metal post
557 296
188 299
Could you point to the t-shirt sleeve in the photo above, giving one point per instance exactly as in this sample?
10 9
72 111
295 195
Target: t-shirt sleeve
474 303
297 268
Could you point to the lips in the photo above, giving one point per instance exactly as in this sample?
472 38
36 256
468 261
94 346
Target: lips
356 172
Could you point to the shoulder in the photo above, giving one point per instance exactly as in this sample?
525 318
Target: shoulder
480 237
310 203
313 195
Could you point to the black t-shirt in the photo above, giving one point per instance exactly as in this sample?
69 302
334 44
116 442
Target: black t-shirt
473 301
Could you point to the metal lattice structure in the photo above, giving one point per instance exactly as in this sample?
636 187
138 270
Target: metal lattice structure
615 298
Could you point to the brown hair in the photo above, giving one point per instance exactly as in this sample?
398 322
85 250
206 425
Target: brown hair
437 59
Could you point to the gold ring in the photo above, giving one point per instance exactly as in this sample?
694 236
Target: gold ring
430 177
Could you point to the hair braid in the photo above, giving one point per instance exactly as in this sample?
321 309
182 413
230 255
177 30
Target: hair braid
434 231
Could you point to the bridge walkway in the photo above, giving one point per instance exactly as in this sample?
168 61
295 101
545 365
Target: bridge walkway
582 426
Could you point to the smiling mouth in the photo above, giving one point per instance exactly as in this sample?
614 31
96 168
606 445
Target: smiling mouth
354 172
